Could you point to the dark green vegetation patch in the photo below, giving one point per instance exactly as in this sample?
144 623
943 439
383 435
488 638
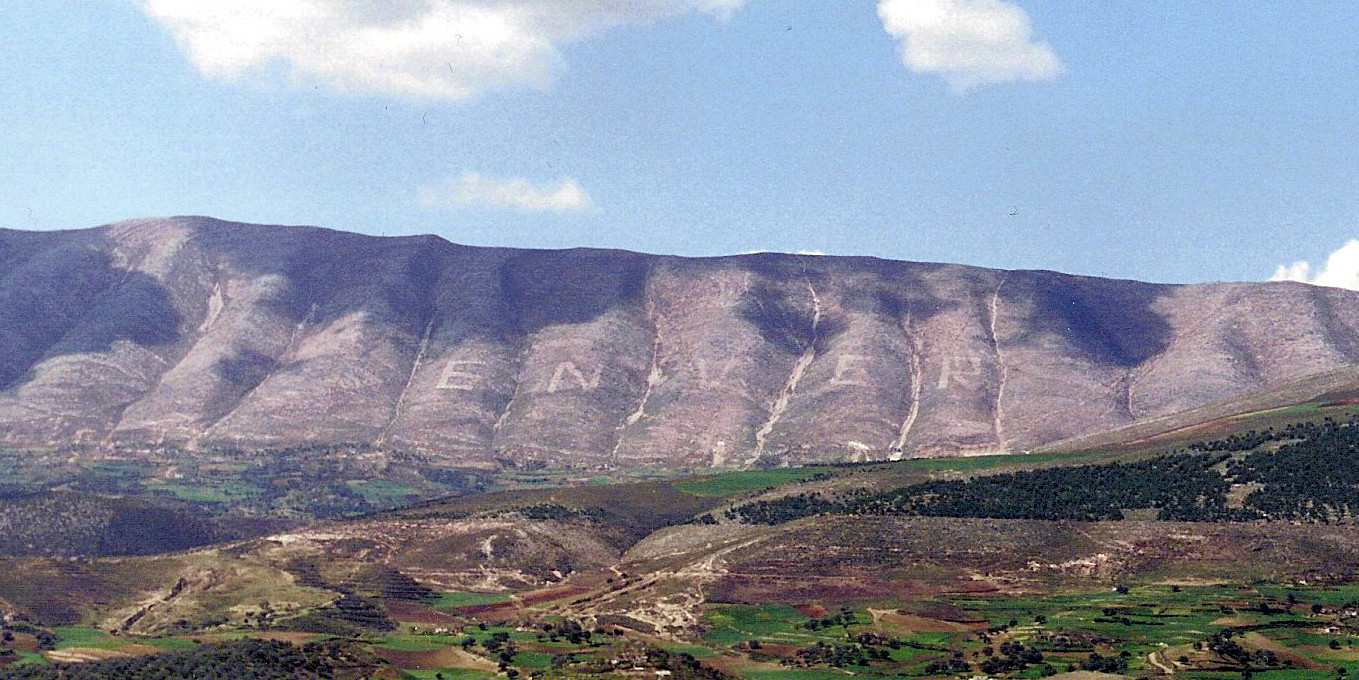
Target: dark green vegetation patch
68 524
1306 471
252 659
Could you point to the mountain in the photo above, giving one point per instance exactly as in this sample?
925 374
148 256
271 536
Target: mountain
197 332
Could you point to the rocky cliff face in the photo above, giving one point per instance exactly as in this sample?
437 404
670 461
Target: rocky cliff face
198 332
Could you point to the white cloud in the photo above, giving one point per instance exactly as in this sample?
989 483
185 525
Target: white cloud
429 49
1341 269
969 42
471 189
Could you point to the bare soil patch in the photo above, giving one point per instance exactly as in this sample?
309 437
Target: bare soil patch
24 642
552 594
448 657
782 651
1259 641
414 612
946 612
918 624
83 654
497 610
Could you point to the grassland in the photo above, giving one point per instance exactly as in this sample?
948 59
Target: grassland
1306 631
542 579
466 599
737 483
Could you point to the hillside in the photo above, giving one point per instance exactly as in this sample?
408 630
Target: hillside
193 332
1005 566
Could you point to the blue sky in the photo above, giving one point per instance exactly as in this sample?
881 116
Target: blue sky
1165 141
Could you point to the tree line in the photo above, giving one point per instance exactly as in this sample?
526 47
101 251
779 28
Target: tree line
239 660
1305 471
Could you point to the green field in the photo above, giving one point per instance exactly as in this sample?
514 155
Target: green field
868 596
382 493
85 637
1063 626
736 483
465 599
979 463
196 493
448 674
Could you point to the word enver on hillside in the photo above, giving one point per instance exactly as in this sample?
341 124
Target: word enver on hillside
196 332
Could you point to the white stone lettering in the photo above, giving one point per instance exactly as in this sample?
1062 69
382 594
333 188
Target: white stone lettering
964 370
567 368
453 378
849 370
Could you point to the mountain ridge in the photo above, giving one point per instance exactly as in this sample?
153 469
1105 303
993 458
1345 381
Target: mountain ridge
197 332
143 222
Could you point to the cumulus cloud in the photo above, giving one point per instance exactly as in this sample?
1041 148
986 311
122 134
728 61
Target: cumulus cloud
969 42
429 49
471 189
1340 271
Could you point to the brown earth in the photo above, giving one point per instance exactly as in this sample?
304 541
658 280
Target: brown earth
446 657
414 612
24 642
919 624
1255 640
82 654
541 596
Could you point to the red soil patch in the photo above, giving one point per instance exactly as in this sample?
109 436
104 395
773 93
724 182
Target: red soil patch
968 588
1259 641
24 642
553 594
414 612
812 611
920 624
783 651
447 657
496 609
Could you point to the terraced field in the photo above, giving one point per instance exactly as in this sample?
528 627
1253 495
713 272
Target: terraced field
633 579
1197 632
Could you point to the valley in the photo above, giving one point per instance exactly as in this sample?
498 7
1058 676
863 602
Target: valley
246 451
678 340
557 576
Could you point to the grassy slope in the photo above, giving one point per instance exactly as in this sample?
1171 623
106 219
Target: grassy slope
1310 398
925 554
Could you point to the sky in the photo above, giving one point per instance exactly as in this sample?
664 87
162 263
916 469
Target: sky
1156 140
